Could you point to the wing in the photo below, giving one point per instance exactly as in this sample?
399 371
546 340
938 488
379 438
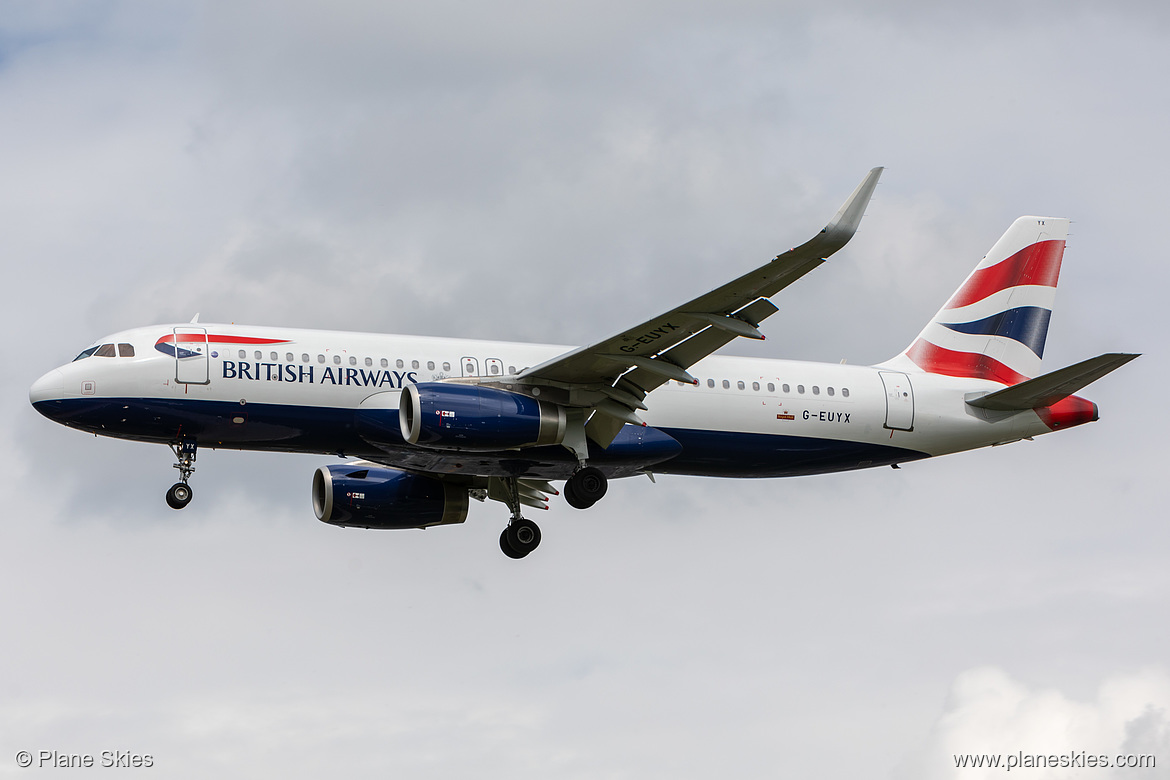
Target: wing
613 376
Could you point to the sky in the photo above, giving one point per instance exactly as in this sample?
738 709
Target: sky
556 172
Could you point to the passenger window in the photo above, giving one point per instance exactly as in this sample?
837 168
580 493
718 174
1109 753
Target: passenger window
259 355
495 369
830 390
126 350
337 360
740 384
399 363
304 357
430 365
243 355
845 391
320 358
288 357
816 390
414 364
786 388
384 362
446 366
710 383
512 369
800 388
771 388
369 361
105 350
755 385
726 385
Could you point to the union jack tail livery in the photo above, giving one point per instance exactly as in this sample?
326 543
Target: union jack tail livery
995 325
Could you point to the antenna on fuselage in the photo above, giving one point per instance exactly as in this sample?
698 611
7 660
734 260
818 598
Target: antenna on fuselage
195 319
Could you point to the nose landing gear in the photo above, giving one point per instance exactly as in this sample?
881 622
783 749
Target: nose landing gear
180 493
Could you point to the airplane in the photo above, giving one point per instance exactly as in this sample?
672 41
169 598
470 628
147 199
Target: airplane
426 424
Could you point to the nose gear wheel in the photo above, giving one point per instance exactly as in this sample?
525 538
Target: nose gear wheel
180 493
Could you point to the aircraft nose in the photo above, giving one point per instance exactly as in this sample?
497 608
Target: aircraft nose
50 387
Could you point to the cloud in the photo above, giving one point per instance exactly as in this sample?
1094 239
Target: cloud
989 713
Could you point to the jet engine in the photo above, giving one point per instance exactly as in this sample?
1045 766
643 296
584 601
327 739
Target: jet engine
474 418
368 496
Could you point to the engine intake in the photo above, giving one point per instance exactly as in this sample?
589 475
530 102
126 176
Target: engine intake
474 418
367 496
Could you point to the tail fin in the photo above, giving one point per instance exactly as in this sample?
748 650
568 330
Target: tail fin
995 325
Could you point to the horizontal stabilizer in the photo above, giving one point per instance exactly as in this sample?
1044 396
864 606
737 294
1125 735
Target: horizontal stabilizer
1048 389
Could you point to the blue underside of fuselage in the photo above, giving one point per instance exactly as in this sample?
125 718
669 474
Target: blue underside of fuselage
308 429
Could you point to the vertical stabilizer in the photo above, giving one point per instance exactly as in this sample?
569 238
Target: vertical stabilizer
995 325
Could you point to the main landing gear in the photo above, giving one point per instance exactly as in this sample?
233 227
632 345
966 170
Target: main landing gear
180 493
522 535
585 488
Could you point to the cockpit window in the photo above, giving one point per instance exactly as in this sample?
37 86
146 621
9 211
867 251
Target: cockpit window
126 350
85 354
106 350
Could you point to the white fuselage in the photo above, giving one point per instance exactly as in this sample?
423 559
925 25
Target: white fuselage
287 389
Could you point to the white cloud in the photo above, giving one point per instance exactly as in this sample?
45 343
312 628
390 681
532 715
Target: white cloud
989 713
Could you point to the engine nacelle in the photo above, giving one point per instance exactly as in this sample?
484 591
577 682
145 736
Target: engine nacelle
470 417
368 496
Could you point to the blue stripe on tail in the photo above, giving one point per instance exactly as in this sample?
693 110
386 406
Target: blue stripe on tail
1027 325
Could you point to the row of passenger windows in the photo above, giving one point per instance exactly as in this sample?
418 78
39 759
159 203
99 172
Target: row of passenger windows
353 361
494 367
107 350
785 387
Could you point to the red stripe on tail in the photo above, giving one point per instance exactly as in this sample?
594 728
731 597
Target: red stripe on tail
1035 264
935 360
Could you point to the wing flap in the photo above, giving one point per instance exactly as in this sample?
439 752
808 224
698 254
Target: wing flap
699 346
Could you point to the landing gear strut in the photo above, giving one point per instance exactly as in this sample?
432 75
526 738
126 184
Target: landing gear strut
522 535
585 488
180 493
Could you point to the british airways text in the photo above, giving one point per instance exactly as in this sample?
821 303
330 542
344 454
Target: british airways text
288 372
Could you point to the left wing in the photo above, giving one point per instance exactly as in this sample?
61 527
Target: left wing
614 375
